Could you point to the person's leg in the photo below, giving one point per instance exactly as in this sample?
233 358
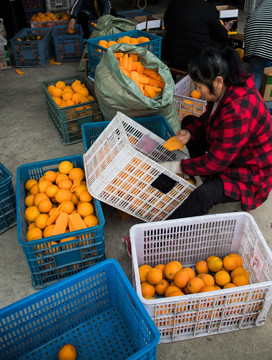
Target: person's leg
202 199
7 18
257 65
20 13
83 20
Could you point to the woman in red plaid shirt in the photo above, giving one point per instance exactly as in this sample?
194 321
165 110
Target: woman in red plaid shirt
230 145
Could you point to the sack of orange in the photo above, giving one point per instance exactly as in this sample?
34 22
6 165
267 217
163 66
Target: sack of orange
172 279
149 81
69 95
58 203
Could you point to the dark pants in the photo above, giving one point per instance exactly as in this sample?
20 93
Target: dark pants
8 8
208 194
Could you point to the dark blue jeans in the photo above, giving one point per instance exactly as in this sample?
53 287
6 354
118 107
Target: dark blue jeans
209 193
257 65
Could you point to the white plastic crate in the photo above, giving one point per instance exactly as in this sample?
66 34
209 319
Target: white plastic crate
58 5
123 170
187 105
188 241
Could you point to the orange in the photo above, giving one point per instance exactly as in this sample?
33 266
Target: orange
210 257
51 190
75 199
208 288
85 209
85 196
181 278
39 197
240 280
57 100
222 278
239 260
91 220
215 264
31 213
229 285
50 89
170 269
34 234
48 230
45 206
76 82
154 276
170 289
84 91
43 185
50 175
29 183
80 189
65 184
57 93
34 189
161 267
63 195
66 206
67 352
30 226
60 85
147 289
195 284
76 173
65 167
239 271
195 94
29 200
41 221
147 297
202 267
161 287
190 272
143 270
229 263
207 279
61 177
67 95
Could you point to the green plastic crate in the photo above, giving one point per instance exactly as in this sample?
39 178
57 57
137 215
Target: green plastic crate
68 120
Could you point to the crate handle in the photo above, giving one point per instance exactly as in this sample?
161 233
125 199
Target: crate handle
164 183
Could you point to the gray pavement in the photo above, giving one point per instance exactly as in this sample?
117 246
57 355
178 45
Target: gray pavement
27 136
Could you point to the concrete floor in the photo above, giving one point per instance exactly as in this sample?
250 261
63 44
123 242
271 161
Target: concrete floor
26 136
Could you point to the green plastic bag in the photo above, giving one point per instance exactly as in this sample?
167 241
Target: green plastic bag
107 25
117 92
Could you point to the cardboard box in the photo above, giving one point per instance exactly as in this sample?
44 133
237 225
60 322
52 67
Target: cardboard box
229 13
237 41
266 84
147 22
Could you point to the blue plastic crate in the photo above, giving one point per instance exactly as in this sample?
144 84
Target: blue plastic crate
7 200
131 14
52 262
68 47
157 124
96 310
68 120
33 53
95 51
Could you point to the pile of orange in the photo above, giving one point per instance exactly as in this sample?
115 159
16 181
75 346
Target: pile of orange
69 95
57 192
124 40
50 16
172 279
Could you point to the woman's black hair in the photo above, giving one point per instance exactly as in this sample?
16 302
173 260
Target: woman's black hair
210 62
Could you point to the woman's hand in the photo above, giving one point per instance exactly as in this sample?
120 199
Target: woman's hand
72 25
183 136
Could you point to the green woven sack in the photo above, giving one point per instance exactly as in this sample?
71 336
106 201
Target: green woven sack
117 92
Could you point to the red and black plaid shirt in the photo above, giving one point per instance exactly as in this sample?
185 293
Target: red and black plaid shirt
239 134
